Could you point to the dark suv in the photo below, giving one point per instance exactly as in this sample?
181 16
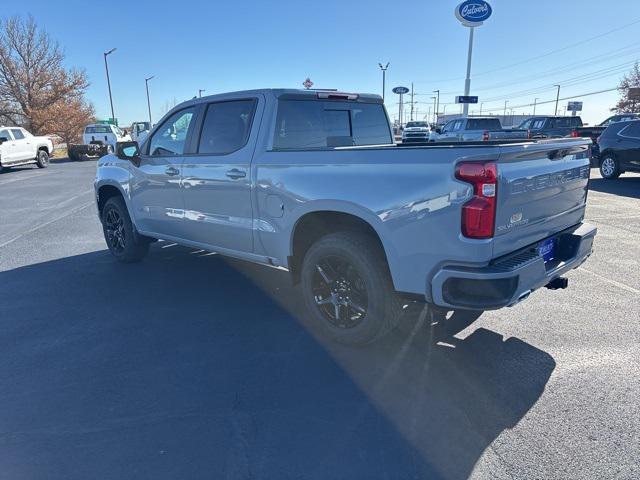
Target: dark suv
620 149
550 127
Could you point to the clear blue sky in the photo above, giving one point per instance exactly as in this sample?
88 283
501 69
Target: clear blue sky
225 46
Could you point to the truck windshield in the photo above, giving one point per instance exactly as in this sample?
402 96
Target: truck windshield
307 124
417 124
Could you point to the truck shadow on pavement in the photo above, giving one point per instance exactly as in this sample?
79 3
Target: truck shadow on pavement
190 366
624 186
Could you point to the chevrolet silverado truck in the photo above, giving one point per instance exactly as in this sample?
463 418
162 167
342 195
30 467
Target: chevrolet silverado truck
311 182
19 147
475 129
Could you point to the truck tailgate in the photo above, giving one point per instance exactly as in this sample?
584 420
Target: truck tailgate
542 189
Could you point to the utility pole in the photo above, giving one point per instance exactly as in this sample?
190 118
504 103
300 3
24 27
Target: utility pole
481 103
412 101
434 108
384 74
146 83
504 113
437 104
200 90
106 66
557 98
535 101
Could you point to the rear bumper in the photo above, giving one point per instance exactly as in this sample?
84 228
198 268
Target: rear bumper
511 278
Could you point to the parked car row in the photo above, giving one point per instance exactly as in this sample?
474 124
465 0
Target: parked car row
615 142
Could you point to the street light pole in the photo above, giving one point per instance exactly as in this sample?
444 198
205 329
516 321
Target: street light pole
481 103
557 98
384 74
437 104
504 113
535 101
146 83
106 66
200 90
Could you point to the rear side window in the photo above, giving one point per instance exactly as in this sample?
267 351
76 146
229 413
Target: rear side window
632 130
576 122
537 124
308 124
226 126
483 124
17 133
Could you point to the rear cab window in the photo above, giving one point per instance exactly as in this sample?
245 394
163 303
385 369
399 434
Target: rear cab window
483 124
314 124
98 129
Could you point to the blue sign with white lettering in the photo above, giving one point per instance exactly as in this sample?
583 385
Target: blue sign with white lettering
472 13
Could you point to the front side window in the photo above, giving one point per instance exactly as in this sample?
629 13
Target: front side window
17 133
526 124
171 137
226 126
5 134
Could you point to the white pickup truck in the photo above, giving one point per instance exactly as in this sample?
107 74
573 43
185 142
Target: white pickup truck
19 147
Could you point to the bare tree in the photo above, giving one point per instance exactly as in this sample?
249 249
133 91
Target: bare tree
627 104
33 78
66 118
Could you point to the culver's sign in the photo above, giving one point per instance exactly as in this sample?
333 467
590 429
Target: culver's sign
472 13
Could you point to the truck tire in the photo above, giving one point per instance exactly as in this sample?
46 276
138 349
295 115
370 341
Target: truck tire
123 242
609 167
73 155
347 288
42 159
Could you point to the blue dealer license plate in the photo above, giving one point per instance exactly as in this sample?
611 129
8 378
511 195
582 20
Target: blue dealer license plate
546 248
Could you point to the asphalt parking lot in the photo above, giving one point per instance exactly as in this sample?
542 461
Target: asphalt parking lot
191 366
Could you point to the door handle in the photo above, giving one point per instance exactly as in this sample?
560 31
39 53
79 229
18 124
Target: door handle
235 173
172 171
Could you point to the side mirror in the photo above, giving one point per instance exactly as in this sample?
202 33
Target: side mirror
128 151
3 139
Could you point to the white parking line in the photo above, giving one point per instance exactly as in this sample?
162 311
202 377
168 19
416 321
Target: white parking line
38 227
612 282
27 177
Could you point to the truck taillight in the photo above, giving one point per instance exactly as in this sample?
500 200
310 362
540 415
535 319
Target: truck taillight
479 213
598 139
529 134
485 136
575 133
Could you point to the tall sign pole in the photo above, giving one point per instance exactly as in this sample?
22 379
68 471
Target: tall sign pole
471 13
400 91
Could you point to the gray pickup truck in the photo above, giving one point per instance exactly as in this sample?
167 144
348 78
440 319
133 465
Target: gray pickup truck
476 129
310 181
